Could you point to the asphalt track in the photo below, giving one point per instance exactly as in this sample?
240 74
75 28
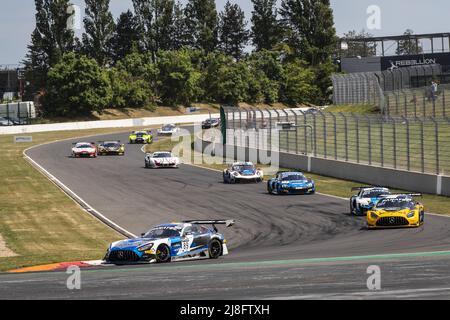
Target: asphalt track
270 246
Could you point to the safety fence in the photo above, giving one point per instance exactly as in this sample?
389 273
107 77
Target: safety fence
375 88
421 102
388 141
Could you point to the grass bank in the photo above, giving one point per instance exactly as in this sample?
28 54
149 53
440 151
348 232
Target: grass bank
38 222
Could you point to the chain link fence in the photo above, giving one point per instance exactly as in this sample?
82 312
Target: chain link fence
399 142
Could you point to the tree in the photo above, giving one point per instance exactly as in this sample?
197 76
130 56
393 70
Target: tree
77 86
409 46
49 41
202 24
309 29
180 36
125 36
99 25
156 19
298 87
233 33
358 48
178 80
266 31
268 75
226 80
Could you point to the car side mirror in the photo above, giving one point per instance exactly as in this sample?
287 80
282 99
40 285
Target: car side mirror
142 235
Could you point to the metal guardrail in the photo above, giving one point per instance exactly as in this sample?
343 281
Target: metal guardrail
391 141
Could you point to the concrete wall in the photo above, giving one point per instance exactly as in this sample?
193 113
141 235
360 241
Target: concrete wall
126 123
399 179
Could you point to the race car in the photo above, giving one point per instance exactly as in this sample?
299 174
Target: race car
170 242
242 171
291 182
366 198
168 130
111 148
210 123
140 137
161 160
84 149
396 211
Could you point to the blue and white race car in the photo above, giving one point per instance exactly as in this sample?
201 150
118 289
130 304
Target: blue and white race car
169 242
366 199
291 182
242 171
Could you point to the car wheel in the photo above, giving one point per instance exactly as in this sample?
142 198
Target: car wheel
163 254
269 188
215 249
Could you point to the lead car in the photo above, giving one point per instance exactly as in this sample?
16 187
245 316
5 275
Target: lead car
169 242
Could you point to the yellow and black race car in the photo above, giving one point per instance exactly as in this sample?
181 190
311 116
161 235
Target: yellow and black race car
141 137
106 148
396 211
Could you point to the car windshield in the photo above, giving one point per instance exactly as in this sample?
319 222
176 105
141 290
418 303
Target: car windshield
293 177
84 146
243 168
374 193
161 233
397 204
140 134
162 155
111 145
168 127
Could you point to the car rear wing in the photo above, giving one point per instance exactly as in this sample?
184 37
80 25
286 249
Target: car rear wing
411 195
75 143
227 223
361 188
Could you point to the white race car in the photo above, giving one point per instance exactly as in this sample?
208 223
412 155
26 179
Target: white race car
242 171
161 160
366 199
84 149
170 242
168 130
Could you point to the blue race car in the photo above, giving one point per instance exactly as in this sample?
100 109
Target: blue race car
169 242
291 182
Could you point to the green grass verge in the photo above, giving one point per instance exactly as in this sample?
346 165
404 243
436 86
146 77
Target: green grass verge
38 221
355 108
325 185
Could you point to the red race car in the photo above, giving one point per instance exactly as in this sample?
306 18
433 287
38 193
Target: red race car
84 149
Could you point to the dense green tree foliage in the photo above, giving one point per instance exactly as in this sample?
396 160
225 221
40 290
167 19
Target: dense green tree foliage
170 54
77 85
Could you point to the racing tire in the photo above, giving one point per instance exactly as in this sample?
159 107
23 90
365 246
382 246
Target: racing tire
269 188
215 249
162 254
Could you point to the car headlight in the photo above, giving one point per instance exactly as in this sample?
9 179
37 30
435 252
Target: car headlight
236 174
146 247
411 214
373 215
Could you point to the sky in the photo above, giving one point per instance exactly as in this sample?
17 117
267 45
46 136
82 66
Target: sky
17 19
